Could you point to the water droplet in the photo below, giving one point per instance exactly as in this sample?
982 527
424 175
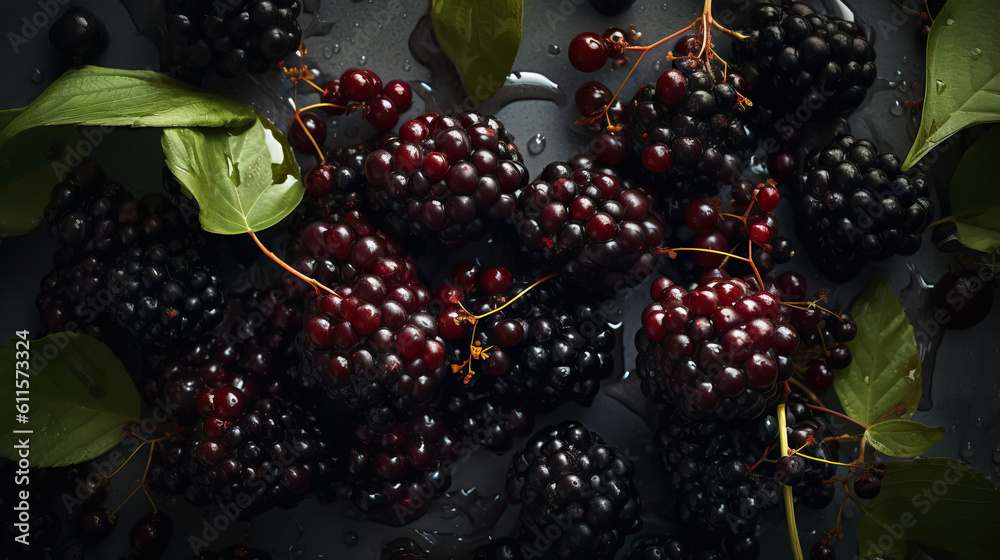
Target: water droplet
905 59
406 65
327 52
976 53
966 451
362 60
657 65
897 109
866 380
940 86
357 24
35 76
536 144
996 455
554 49
949 22
336 48
350 538
979 422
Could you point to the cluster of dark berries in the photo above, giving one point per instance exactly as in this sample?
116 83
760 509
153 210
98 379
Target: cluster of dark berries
512 330
710 476
853 204
233 38
721 349
370 344
798 58
572 484
807 431
588 225
449 177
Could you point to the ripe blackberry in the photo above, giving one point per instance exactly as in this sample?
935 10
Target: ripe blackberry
690 132
707 463
692 542
567 477
233 38
488 413
167 291
334 188
797 58
543 355
450 177
370 345
73 297
395 474
718 350
853 204
589 227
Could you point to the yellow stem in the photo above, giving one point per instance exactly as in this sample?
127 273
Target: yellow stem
806 390
793 532
314 283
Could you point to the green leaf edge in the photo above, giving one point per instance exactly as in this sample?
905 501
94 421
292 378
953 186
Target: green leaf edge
872 436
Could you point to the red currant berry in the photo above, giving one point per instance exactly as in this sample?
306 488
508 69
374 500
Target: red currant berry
592 98
495 280
298 137
319 180
768 198
587 52
671 88
332 95
381 113
657 158
701 216
358 85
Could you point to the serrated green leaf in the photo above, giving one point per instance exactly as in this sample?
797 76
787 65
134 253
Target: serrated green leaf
885 370
243 179
936 503
903 438
80 398
481 38
91 95
963 73
975 200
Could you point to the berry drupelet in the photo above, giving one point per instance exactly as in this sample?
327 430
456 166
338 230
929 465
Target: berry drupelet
589 226
797 58
449 177
233 38
568 477
853 204
720 349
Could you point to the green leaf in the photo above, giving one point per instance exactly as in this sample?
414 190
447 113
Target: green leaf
963 73
244 179
80 398
936 503
885 371
903 438
975 200
91 95
481 38
28 172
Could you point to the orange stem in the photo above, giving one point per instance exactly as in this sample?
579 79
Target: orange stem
314 283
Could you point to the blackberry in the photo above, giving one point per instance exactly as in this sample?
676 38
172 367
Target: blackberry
370 345
567 477
488 413
448 177
797 58
395 474
718 350
233 38
690 132
589 227
335 187
542 354
853 204
707 463
166 291
73 298
693 543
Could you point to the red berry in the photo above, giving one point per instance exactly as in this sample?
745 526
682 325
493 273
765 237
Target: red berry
609 149
319 180
671 87
615 41
587 52
495 280
400 93
601 227
591 98
359 85
298 138
381 113
768 198
701 216
333 95
657 158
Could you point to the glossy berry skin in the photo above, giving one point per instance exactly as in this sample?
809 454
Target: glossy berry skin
852 204
587 52
151 534
360 85
298 138
964 298
822 550
382 113
94 525
591 98
400 93
579 473
868 486
79 34
587 224
451 177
